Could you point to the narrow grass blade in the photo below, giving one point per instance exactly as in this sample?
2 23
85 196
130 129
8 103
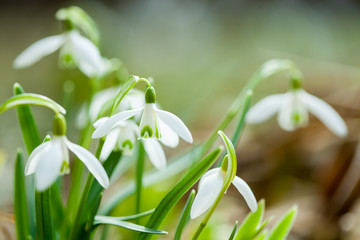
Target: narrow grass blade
232 235
184 216
252 223
283 226
20 207
131 226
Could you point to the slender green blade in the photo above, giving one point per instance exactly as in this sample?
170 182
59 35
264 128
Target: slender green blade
184 219
31 139
249 227
283 226
179 190
132 217
139 175
232 235
20 207
128 85
131 226
31 99
44 222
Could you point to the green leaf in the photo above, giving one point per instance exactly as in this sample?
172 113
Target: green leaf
43 215
179 190
262 235
82 20
20 207
283 226
31 139
152 177
31 99
132 217
232 235
252 223
131 226
184 216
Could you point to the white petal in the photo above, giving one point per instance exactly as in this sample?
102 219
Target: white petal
209 187
175 124
100 122
33 160
167 136
112 121
155 153
86 55
245 190
284 116
50 162
38 50
325 113
148 120
264 109
91 162
109 144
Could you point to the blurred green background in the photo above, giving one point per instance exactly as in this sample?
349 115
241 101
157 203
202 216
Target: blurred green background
200 54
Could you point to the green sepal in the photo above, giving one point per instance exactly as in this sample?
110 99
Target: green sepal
283 226
31 99
76 17
131 226
20 207
185 215
168 202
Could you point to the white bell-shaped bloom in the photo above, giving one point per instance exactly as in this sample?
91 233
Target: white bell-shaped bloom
51 159
293 107
74 48
209 188
123 135
155 125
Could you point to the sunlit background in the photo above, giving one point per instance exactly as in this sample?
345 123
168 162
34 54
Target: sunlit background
200 54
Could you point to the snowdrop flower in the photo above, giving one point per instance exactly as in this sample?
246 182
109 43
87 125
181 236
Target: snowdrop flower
211 184
51 159
155 125
74 49
293 107
123 135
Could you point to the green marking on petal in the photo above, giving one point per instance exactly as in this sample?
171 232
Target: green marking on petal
127 143
146 132
65 168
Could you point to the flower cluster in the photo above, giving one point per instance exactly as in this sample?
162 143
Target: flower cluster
155 125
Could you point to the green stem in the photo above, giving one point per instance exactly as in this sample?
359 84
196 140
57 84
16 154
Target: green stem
184 218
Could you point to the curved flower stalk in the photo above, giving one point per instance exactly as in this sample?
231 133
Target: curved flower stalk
51 159
74 50
293 107
155 125
212 183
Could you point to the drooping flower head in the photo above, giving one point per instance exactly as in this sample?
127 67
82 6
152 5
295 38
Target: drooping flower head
75 50
155 125
293 107
51 159
212 183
